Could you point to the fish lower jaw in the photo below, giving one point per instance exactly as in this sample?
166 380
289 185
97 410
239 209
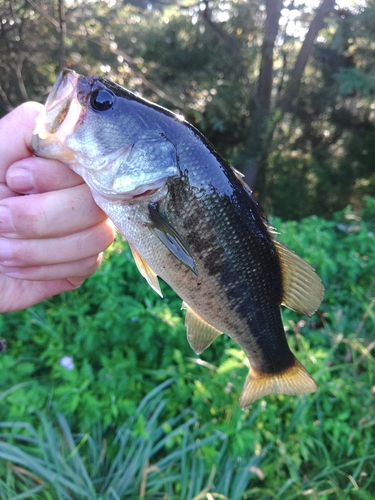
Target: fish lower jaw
48 147
145 194
149 193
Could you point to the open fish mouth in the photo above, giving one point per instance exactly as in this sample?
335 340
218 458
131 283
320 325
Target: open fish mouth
58 119
59 105
62 91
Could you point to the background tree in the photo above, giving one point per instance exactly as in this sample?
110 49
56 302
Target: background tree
283 91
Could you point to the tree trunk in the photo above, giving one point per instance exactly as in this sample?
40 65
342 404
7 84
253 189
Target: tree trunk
271 29
291 91
261 128
261 106
62 25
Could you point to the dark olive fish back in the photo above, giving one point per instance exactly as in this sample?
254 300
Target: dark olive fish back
223 222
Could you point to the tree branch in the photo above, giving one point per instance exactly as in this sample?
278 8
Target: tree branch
17 68
228 42
62 26
126 58
44 14
291 90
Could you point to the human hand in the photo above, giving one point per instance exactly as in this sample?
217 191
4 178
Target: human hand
51 231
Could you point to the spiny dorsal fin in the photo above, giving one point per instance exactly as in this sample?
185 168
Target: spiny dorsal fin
294 380
146 271
303 290
168 235
199 333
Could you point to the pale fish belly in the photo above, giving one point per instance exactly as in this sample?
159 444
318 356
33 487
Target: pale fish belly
203 293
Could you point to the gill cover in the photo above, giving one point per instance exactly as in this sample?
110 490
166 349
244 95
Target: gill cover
103 133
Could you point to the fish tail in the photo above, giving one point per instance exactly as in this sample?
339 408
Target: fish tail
293 380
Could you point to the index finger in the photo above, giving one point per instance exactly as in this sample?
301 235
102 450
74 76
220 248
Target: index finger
17 127
39 175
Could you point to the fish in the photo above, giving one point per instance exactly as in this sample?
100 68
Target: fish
189 218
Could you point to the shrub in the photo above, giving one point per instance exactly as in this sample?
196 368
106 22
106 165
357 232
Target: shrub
91 355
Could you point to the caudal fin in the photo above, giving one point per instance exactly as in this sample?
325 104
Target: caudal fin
294 380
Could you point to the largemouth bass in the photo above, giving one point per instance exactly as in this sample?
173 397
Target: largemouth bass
189 218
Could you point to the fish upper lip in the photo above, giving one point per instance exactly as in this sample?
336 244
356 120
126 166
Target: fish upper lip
62 90
56 108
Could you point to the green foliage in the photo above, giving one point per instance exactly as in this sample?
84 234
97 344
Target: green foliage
63 465
124 340
354 80
203 61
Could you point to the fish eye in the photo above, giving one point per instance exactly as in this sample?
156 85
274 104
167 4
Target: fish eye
102 100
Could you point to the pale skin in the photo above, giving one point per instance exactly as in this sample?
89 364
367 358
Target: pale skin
52 234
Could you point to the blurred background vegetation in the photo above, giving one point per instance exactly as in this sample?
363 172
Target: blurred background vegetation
284 91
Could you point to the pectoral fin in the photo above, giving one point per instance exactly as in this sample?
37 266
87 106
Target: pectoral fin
294 380
171 239
303 290
199 333
146 271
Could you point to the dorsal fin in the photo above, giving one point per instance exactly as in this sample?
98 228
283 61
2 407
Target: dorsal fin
303 290
146 271
200 334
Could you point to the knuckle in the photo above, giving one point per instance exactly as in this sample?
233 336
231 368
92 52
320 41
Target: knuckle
109 233
75 282
14 253
38 221
97 239
21 254
29 218
94 264
88 266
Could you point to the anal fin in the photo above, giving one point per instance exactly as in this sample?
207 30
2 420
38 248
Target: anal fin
200 334
303 290
146 271
294 380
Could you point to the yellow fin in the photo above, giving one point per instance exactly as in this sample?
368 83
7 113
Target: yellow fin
294 380
146 271
200 334
303 290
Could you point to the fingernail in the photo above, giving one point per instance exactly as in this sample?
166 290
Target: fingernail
20 180
6 253
6 223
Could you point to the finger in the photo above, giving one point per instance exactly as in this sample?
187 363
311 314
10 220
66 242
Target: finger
15 253
51 214
22 294
17 127
37 175
80 269
6 192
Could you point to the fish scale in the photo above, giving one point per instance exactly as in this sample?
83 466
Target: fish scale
189 218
